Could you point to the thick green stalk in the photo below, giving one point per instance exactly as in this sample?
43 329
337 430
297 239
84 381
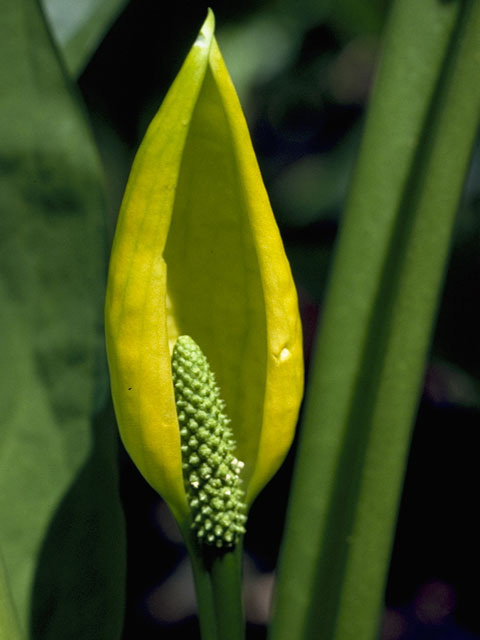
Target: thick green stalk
203 588
226 576
377 323
218 586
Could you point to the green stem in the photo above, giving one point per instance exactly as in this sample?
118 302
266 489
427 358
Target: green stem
203 589
218 586
377 323
226 577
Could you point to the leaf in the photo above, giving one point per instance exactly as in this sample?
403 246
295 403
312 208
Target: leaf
53 382
9 629
79 27
377 323
81 568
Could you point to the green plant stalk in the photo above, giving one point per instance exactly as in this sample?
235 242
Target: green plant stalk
377 323
226 577
218 587
203 589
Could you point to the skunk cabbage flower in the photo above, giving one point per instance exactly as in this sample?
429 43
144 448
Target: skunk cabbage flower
197 253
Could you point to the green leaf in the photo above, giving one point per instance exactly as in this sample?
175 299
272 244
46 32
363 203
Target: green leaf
9 629
79 27
377 323
82 557
53 383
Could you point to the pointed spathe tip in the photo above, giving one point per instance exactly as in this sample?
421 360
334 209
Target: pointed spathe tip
208 28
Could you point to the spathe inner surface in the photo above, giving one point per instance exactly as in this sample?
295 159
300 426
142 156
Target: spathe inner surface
214 285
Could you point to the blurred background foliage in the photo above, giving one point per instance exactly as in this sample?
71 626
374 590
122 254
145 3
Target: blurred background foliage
304 72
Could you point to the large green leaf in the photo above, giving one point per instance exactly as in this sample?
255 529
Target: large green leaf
53 385
9 629
79 27
377 323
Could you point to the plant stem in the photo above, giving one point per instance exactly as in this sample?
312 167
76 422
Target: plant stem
203 589
226 577
218 586
377 323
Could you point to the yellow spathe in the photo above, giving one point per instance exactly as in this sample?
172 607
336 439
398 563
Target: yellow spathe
197 252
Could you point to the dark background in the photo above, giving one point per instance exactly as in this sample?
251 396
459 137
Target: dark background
304 72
